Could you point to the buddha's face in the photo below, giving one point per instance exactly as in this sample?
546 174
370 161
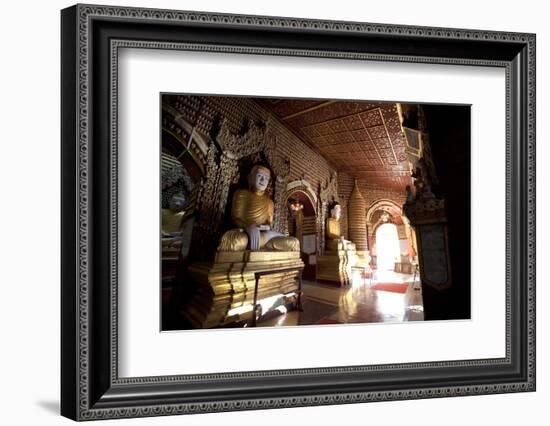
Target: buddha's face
260 180
337 212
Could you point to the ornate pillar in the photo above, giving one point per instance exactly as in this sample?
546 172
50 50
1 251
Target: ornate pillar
429 220
280 219
227 171
205 203
321 216
357 219
220 171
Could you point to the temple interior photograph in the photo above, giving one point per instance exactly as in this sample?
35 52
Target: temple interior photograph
312 212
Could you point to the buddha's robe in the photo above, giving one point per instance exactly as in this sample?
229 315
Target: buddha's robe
334 238
249 208
333 229
172 221
172 224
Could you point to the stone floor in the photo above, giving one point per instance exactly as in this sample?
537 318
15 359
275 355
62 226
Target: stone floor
360 303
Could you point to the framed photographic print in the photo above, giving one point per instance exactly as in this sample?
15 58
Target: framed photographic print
263 212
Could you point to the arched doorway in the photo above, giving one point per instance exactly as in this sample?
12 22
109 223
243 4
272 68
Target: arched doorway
302 221
387 246
385 211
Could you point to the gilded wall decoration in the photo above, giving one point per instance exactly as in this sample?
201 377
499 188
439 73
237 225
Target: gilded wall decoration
228 129
206 197
357 221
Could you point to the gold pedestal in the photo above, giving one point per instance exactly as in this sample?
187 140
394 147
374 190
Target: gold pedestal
335 265
226 288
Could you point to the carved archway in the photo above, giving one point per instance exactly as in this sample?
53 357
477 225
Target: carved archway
183 135
303 186
302 224
388 211
383 204
183 149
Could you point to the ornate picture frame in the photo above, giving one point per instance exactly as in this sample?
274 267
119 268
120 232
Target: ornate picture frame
91 386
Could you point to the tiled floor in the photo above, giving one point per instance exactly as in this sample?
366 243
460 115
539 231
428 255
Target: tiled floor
328 304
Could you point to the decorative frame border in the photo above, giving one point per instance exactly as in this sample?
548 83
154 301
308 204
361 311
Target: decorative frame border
83 398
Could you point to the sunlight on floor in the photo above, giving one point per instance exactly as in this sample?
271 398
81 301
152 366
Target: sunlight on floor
361 303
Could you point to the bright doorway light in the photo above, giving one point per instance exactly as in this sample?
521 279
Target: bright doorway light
387 246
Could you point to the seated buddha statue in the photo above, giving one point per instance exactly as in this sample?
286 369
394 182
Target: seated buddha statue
252 212
172 221
333 233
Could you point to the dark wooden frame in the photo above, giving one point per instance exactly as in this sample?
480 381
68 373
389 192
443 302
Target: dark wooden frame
90 386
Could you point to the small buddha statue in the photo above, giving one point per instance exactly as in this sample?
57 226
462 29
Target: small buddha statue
252 212
172 220
333 232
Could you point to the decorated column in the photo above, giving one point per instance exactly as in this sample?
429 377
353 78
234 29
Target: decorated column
357 220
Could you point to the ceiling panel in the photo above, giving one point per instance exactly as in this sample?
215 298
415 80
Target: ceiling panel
364 139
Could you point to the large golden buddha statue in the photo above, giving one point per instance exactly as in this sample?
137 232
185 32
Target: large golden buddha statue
229 286
252 212
333 232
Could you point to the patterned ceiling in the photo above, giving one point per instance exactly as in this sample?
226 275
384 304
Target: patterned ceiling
363 139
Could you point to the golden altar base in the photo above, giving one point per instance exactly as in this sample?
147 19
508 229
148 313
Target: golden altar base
335 265
225 291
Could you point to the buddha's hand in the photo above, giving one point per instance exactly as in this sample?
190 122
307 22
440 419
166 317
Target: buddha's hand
253 232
